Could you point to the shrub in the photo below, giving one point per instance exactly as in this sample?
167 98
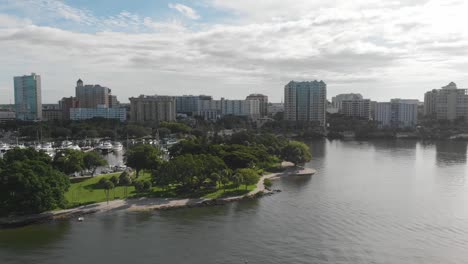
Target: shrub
142 186
268 183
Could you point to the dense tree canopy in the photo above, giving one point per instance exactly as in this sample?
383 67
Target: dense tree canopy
297 153
190 171
143 157
30 184
92 160
69 161
175 127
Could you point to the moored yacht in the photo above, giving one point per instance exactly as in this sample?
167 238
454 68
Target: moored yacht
105 146
117 146
69 145
47 147
4 147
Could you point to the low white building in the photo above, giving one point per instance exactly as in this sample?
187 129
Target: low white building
103 112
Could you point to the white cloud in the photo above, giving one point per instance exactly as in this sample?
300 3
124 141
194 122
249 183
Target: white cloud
381 50
53 8
185 10
7 21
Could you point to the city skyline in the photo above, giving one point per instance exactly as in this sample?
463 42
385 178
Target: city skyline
232 49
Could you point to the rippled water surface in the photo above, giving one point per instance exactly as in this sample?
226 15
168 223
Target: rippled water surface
370 202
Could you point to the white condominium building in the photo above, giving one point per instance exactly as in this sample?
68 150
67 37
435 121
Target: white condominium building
357 108
448 103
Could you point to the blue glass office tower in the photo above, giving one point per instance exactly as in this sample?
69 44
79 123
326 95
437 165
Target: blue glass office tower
28 101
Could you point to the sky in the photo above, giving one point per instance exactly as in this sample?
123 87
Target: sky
381 49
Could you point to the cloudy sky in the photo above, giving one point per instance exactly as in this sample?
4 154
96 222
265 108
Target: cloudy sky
230 48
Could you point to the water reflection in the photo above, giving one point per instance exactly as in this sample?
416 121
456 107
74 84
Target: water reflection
295 182
34 236
450 152
318 148
394 145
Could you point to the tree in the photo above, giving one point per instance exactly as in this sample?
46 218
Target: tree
248 177
164 132
126 180
142 186
26 154
69 161
215 178
175 127
143 157
136 131
225 177
239 159
92 160
236 180
115 180
31 185
107 185
296 152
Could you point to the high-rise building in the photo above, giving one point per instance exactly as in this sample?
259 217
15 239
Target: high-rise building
52 114
92 96
337 100
66 104
210 109
190 104
248 108
398 113
263 99
448 103
275 108
383 114
152 108
404 112
356 108
113 102
28 100
306 101
215 109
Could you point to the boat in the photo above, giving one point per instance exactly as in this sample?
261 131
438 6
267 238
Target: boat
20 146
80 219
47 147
69 145
4 147
171 142
120 167
105 146
117 146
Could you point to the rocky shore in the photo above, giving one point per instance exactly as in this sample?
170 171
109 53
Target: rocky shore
146 204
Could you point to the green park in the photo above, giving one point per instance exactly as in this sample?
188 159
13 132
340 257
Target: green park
197 167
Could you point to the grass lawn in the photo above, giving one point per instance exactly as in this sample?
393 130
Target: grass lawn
230 191
88 191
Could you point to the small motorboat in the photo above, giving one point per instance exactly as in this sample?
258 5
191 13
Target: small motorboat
80 219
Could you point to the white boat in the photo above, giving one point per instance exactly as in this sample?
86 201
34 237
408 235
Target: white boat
47 147
80 219
171 142
69 145
105 146
4 147
38 147
20 146
117 146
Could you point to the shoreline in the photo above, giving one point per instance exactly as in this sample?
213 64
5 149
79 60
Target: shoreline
151 204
